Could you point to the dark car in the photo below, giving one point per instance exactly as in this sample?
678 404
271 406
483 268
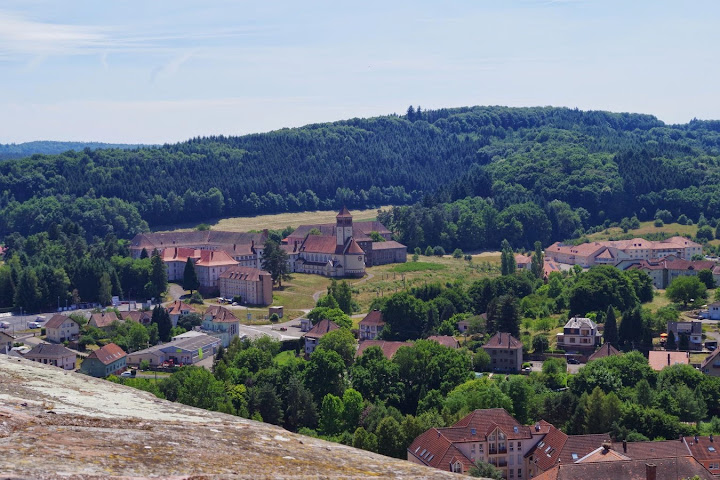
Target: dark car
573 361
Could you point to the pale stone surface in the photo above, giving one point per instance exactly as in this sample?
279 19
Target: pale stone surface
56 424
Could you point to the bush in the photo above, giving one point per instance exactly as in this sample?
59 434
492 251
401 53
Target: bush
682 219
415 257
705 234
457 253
274 318
237 299
658 222
438 251
429 251
196 298
144 365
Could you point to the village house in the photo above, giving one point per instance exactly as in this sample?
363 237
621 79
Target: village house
388 348
711 364
316 333
523 262
713 311
661 359
505 353
692 330
254 286
182 350
61 328
143 317
103 320
221 323
108 360
371 325
179 308
606 350
579 334
6 342
705 451
52 354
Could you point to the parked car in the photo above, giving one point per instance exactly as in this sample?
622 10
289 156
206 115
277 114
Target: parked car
573 361
34 325
128 373
4 325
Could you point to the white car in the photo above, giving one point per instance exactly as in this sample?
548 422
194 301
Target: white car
128 373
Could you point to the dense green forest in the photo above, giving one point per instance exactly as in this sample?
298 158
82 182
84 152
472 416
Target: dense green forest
604 166
21 150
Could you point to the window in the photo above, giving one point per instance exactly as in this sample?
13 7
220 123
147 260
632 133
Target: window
457 467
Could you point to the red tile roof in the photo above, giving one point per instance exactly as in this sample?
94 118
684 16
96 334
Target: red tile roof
179 254
354 248
321 328
137 316
210 258
103 319
661 359
389 348
445 340
57 320
665 468
662 449
503 340
388 245
321 244
581 445
220 315
433 449
607 350
702 448
484 422
373 318
344 213
178 306
108 354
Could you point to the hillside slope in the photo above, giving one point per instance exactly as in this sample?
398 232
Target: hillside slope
609 164
66 425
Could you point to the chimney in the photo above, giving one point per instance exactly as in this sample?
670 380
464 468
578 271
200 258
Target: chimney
711 438
668 359
606 447
650 471
696 439
624 446
537 427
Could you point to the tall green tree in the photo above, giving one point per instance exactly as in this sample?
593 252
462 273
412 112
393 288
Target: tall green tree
161 318
275 262
610 334
331 415
686 290
390 438
190 278
27 293
158 277
538 261
507 259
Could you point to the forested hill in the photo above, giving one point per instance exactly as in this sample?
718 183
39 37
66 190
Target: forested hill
608 164
21 150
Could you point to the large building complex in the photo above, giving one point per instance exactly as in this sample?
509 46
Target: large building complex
614 252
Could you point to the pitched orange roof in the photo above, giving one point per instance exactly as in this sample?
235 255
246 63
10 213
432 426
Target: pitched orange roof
389 348
178 306
321 328
103 319
221 314
503 340
211 258
661 359
354 248
320 244
373 318
108 354
57 320
179 254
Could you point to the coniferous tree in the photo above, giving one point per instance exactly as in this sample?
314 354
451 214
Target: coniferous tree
190 278
670 343
161 318
158 277
538 261
507 259
610 335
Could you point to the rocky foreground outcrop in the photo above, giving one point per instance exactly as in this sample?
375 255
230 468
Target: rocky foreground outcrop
56 424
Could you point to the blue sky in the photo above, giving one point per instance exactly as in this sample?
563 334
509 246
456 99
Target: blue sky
164 71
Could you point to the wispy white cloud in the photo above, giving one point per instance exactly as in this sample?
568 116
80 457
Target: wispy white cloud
170 68
20 35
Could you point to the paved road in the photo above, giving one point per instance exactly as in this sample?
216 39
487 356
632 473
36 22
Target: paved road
256 331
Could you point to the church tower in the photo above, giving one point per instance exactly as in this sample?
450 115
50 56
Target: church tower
343 227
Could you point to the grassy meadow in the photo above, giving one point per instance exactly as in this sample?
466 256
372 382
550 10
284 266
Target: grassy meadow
647 228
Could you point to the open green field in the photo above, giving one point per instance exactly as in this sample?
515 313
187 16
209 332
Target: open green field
296 295
278 221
